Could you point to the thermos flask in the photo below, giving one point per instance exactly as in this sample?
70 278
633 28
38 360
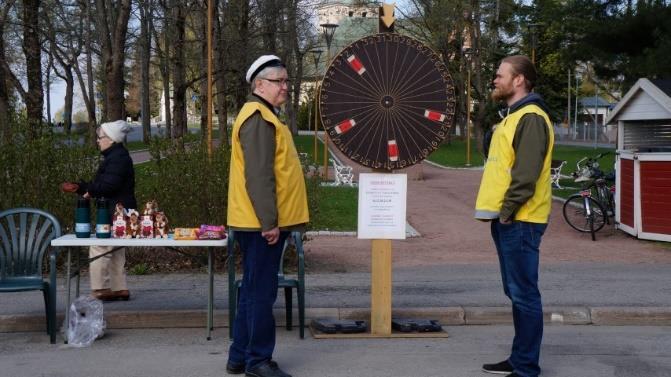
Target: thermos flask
83 218
103 220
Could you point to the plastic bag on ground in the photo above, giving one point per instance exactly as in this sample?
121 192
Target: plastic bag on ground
86 321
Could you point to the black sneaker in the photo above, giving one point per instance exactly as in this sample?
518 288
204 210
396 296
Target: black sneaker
234 368
503 367
266 369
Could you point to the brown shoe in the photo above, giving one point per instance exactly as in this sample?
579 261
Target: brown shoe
121 295
101 294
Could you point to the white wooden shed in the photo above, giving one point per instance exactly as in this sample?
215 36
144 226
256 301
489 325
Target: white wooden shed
643 184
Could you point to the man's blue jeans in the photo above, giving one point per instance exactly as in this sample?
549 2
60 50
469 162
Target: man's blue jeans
517 245
254 325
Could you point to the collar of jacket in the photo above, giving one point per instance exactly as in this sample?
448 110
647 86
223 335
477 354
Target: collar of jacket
257 98
114 147
531 98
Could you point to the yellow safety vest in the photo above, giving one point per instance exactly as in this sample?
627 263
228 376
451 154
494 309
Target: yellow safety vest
496 177
292 202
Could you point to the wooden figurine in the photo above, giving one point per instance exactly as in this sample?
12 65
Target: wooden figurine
120 223
161 225
134 224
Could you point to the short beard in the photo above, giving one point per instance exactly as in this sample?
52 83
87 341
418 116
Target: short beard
500 96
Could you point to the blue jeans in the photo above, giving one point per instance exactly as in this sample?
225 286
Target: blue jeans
254 325
517 245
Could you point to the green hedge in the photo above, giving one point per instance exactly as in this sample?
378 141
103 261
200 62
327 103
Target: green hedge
32 171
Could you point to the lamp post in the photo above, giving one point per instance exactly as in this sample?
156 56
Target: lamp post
328 29
575 119
596 113
316 54
467 55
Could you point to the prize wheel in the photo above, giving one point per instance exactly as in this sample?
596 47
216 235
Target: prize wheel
387 101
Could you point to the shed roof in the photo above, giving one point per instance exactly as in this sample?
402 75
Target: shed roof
646 100
591 101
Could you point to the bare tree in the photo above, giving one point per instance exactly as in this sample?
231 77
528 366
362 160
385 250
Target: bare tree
219 74
163 51
112 26
5 130
146 15
33 96
177 65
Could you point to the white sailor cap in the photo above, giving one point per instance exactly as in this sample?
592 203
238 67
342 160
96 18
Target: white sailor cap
259 64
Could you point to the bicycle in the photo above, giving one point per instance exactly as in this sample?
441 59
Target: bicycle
585 211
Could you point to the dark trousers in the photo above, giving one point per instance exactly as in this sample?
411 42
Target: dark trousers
254 325
518 245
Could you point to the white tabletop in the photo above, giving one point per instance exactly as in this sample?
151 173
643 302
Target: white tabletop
72 240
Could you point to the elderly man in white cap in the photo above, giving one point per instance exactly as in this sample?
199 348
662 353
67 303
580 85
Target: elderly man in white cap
115 181
266 201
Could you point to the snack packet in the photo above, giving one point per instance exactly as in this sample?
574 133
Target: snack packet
211 232
186 234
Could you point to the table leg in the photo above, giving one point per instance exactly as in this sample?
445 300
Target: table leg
210 295
67 301
79 270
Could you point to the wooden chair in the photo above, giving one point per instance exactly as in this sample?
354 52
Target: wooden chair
288 284
25 238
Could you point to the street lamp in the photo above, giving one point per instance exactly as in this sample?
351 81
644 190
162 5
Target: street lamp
578 76
316 54
467 57
328 29
532 31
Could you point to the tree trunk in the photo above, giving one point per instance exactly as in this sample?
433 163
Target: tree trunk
269 15
69 94
31 48
91 103
145 38
113 25
164 53
203 69
220 79
179 73
5 108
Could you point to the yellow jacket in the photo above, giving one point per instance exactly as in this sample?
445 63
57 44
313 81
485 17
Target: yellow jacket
289 182
496 178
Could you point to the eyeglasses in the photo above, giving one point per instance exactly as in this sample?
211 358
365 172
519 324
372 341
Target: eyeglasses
279 82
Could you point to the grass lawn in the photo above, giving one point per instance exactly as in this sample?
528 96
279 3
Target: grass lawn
305 144
454 154
337 209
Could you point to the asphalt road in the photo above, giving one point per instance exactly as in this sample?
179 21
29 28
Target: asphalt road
585 351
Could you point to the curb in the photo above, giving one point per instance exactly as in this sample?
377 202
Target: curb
447 316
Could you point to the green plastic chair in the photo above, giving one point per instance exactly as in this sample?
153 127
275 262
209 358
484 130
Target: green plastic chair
283 282
25 237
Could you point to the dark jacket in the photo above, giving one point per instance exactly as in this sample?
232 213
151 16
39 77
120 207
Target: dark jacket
115 178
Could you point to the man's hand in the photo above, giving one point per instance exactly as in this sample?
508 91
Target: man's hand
272 236
507 221
69 187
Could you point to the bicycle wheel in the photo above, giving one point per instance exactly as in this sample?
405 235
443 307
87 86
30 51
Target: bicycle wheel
576 216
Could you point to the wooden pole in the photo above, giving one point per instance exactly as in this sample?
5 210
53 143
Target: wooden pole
380 290
316 154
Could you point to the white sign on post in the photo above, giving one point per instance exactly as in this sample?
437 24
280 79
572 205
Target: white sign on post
382 204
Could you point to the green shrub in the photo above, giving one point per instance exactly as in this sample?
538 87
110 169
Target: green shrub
32 171
189 187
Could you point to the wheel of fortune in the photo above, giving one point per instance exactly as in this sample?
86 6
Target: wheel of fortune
387 101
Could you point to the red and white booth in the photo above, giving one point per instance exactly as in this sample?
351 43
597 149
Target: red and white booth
643 164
